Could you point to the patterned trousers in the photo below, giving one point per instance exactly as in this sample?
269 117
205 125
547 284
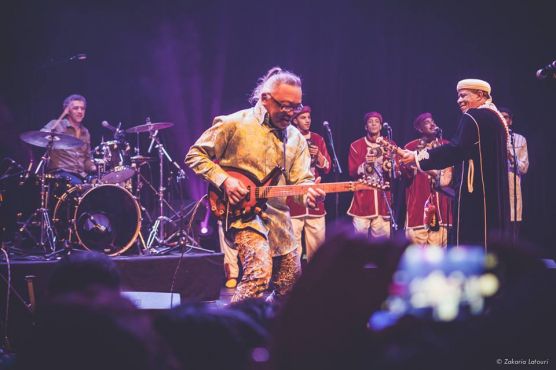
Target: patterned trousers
261 270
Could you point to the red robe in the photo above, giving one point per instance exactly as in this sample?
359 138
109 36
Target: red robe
368 203
300 210
419 190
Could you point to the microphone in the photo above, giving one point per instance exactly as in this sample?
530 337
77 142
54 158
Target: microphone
27 173
335 163
386 126
79 57
438 132
96 225
59 61
13 163
548 71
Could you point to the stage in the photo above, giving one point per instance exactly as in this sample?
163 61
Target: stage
199 278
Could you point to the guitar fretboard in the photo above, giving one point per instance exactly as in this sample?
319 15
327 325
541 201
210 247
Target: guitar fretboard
288 190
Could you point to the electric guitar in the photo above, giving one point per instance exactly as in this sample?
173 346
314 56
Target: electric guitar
254 203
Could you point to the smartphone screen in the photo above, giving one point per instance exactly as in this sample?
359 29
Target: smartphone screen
439 284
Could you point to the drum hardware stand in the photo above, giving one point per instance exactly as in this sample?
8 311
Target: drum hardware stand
182 244
158 226
66 250
181 234
48 237
141 243
68 246
144 180
146 248
137 193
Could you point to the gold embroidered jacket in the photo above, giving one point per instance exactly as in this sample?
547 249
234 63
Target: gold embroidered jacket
247 141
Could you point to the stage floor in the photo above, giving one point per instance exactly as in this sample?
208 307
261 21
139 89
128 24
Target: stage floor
199 277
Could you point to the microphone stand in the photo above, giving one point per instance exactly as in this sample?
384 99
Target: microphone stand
336 168
393 224
441 189
393 176
514 155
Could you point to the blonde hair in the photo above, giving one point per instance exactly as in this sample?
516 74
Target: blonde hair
274 77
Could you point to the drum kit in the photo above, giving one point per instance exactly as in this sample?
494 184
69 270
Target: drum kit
105 212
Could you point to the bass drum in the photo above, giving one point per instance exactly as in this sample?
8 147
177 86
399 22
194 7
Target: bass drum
103 218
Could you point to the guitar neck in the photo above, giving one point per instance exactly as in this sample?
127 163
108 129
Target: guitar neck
289 190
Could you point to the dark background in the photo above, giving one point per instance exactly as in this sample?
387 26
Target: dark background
185 62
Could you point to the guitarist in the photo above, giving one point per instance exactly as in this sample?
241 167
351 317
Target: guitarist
253 140
422 188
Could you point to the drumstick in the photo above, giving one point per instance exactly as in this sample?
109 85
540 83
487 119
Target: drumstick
64 113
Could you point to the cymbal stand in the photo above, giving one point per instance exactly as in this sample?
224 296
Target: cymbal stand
48 237
141 181
145 216
181 234
158 226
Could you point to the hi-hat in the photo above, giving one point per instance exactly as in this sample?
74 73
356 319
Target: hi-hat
44 138
148 127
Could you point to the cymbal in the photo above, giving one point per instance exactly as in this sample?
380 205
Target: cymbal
147 127
43 138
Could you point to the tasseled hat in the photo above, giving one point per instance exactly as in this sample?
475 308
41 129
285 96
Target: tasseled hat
305 109
420 118
373 114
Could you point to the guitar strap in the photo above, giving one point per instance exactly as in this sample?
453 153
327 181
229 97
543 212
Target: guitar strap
283 136
284 142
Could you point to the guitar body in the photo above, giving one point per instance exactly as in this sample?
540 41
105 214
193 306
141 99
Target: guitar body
249 206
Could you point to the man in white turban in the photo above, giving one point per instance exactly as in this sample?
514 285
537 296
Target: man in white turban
478 150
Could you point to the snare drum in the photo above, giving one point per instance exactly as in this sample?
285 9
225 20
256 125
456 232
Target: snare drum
118 175
104 218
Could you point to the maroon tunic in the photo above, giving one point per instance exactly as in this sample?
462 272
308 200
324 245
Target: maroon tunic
419 190
368 203
300 210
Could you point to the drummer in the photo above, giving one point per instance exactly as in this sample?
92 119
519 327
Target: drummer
75 163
